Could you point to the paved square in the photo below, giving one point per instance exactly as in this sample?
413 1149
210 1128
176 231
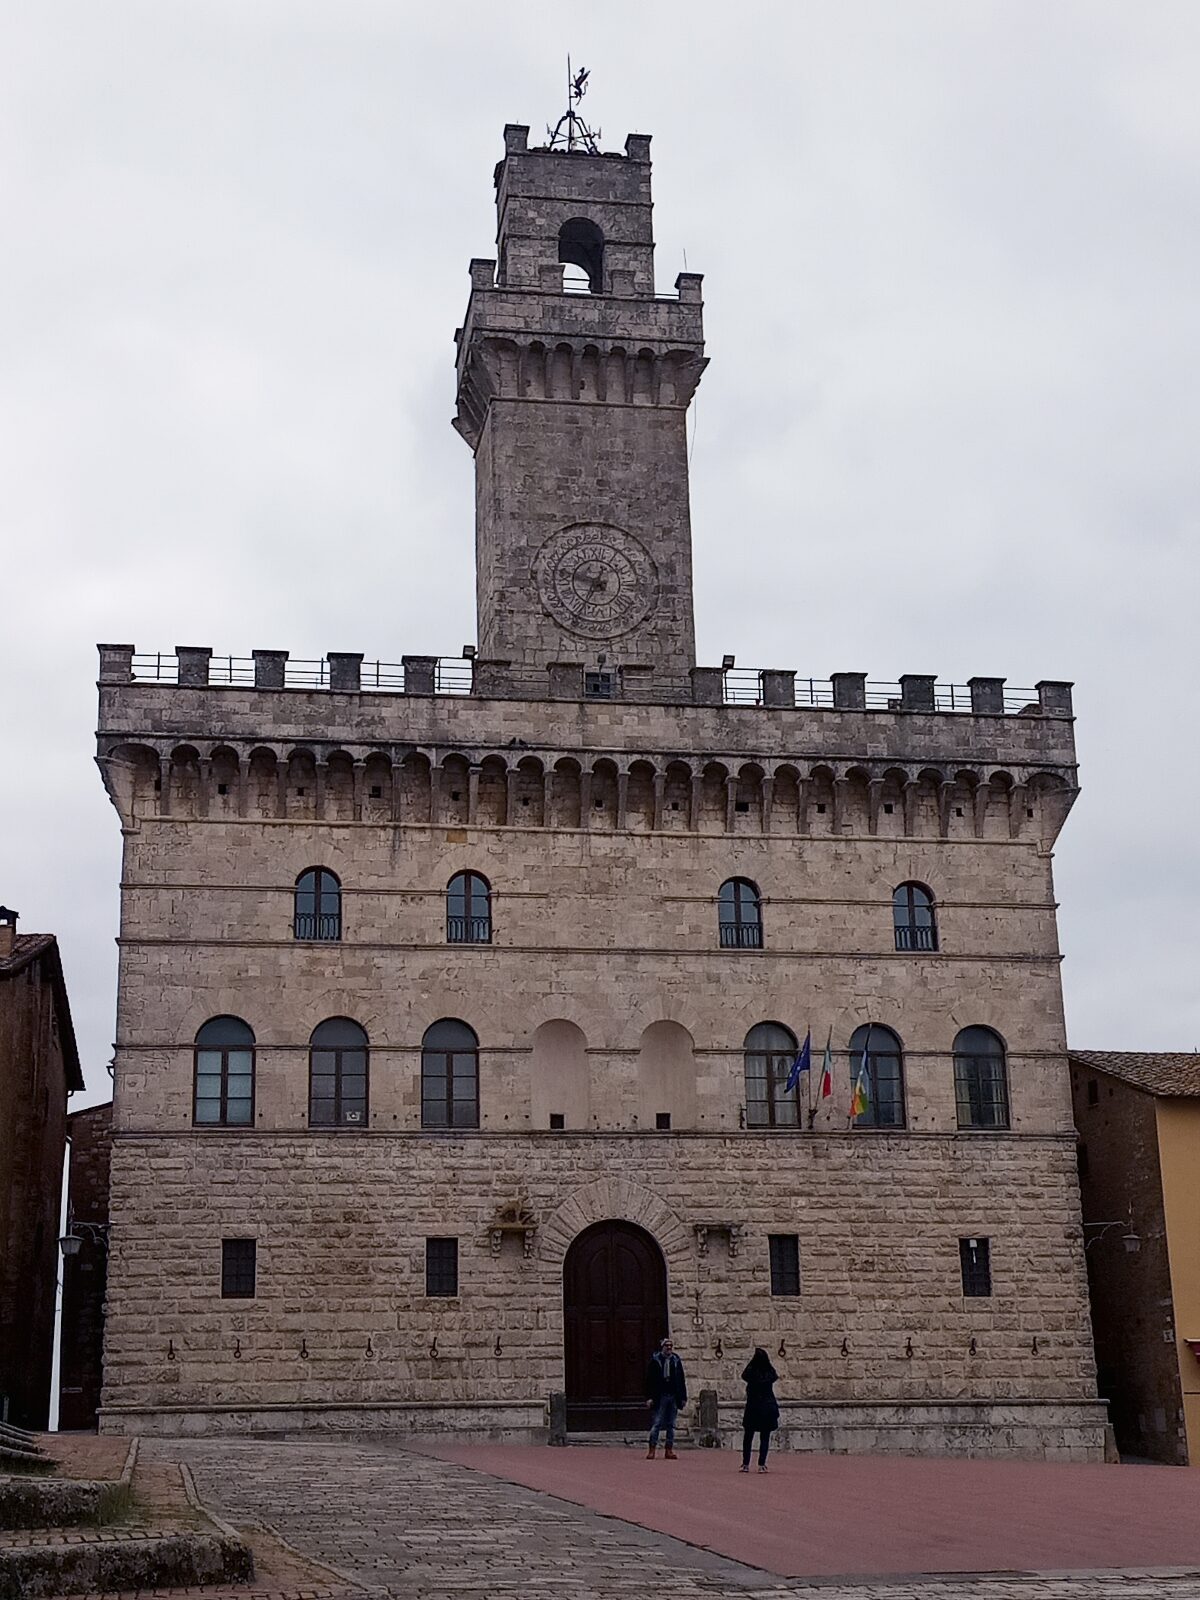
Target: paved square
423 1527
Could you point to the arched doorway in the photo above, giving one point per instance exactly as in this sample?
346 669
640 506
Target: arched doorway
615 1313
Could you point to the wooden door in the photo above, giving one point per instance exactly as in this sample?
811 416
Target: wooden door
615 1314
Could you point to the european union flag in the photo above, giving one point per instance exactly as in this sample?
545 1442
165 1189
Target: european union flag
802 1063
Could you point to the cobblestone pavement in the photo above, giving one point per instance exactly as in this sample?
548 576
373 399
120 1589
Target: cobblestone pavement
400 1524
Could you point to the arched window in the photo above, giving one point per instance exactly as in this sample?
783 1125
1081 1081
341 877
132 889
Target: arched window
882 1090
770 1050
337 1075
224 1074
980 1079
318 905
449 1076
468 909
739 915
914 919
581 244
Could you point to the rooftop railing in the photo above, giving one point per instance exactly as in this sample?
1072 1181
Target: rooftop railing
195 667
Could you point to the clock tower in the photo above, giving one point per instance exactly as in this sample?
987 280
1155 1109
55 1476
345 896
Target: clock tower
574 380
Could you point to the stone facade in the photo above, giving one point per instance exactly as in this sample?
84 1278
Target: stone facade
39 1067
85 1274
605 803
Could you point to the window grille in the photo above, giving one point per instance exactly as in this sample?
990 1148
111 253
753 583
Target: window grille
785 1263
238 1263
975 1260
441 1268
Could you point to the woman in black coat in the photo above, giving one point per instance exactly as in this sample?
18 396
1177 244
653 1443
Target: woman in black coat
761 1415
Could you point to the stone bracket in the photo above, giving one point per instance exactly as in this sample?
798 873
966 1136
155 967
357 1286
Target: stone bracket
732 1231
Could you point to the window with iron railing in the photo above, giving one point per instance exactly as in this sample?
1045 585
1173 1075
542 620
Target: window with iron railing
468 909
318 907
914 918
739 915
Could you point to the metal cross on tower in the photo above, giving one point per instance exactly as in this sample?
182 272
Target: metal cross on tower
571 132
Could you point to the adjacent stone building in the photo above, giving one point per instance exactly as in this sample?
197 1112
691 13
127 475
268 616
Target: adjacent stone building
459 999
85 1272
1138 1116
39 1067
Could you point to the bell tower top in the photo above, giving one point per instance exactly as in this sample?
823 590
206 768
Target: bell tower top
574 380
575 208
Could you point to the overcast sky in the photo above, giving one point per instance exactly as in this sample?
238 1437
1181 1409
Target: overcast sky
950 425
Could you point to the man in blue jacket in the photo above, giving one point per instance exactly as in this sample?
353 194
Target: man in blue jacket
666 1391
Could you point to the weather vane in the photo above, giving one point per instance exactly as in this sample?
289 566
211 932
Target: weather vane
571 132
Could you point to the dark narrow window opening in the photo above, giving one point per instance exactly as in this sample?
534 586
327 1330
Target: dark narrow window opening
238 1268
468 909
222 788
742 806
785 1263
557 1120
376 791
1081 1159
662 1120
821 810
441 1268
1093 1092
598 685
888 809
975 1260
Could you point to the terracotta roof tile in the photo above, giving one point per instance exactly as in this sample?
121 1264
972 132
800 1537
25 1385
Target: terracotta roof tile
1162 1072
25 947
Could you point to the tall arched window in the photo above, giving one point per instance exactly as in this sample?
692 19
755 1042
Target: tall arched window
224 1074
980 1079
318 912
739 915
914 918
770 1050
449 1076
581 244
883 1079
337 1075
468 909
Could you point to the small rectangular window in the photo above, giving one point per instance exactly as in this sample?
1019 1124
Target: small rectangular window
1093 1092
558 1119
238 1258
441 1267
598 685
975 1259
662 1120
785 1263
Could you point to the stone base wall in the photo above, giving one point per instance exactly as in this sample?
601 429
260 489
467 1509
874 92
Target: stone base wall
1043 1430
341 1333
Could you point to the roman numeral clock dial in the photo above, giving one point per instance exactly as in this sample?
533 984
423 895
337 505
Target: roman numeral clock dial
596 580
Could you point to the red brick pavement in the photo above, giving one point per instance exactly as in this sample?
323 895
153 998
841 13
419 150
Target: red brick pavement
825 1516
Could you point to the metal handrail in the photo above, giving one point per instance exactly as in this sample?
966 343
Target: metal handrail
455 675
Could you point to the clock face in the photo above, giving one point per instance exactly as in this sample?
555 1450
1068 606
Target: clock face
596 580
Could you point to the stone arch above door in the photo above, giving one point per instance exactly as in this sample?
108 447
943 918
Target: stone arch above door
614 1200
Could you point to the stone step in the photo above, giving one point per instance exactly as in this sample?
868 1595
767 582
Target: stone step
33 1501
624 1439
18 1436
113 1565
14 1458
